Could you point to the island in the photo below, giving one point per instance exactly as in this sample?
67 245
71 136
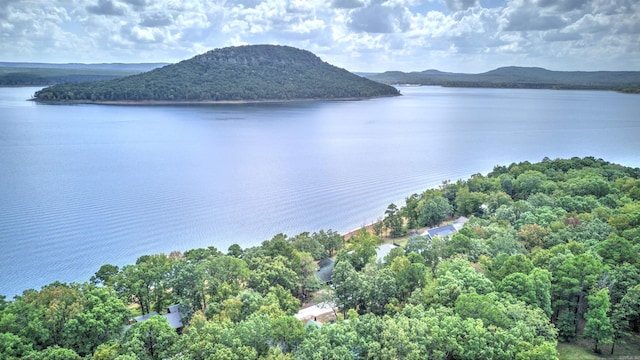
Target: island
251 73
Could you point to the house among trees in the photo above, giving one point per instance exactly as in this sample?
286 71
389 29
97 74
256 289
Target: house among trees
446 230
173 316
325 270
383 250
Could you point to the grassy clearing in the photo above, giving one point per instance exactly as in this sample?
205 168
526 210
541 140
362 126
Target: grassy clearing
583 350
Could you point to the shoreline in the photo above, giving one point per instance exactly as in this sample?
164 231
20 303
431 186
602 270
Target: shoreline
199 102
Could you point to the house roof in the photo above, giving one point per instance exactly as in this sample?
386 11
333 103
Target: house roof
174 316
175 319
459 223
440 231
383 250
326 269
145 317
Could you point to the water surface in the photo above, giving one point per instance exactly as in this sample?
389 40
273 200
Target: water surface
86 185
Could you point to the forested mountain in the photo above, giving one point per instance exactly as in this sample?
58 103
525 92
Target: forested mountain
250 73
34 74
518 77
549 255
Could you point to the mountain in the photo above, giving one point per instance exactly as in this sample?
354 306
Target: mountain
33 74
244 73
123 67
518 77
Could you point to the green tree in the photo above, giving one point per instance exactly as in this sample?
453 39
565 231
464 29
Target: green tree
433 210
469 203
106 275
394 222
331 240
152 339
598 326
304 242
363 246
572 281
346 282
101 320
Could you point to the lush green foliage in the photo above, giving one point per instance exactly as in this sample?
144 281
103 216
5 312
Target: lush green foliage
547 256
252 73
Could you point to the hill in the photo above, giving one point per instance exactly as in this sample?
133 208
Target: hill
34 74
518 77
245 73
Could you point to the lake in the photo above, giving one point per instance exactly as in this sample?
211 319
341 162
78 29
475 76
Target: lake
86 185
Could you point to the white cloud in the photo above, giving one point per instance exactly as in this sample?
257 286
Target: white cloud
360 35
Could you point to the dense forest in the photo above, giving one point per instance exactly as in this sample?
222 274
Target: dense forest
249 73
519 77
35 74
548 255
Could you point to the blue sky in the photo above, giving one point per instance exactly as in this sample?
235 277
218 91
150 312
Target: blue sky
359 35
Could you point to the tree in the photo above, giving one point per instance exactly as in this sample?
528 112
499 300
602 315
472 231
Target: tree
363 245
394 222
106 275
469 203
330 240
346 282
432 211
529 183
571 281
598 325
377 288
235 250
100 321
305 243
146 282
152 339
271 271
532 235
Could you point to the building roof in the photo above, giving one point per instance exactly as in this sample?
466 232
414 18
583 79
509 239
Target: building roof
459 223
174 316
383 250
145 317
440 231
175 319
326 269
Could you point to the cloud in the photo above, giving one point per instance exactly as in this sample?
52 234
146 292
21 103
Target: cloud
157 19
362 35
346 4
379 18
524 15
457 5
106 7
563 5
139 4
561 36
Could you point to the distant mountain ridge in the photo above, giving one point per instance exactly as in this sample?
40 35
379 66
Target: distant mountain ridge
42 74
125 67
244 73
517 77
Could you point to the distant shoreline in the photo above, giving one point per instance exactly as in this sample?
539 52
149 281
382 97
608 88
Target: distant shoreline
200 102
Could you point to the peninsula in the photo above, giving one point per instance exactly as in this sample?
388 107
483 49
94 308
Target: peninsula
517 77
246 73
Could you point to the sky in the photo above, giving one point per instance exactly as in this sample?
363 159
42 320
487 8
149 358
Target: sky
359 35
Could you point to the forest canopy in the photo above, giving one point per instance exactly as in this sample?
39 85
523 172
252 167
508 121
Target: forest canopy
548 255
244 73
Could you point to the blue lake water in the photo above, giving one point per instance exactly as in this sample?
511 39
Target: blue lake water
86 185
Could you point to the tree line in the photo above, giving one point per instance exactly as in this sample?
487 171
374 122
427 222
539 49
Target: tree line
548 255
